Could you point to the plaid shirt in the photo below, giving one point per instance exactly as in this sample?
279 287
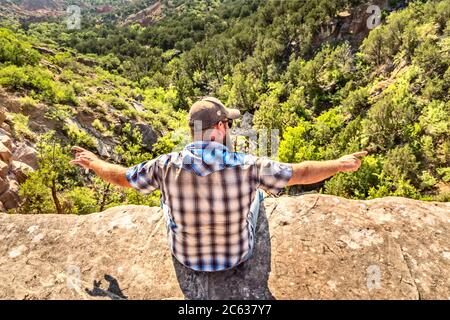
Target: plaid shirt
207 194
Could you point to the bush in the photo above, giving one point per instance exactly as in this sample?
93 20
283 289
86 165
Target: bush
356 185
427 181
63 59
357 101
28 103
20 125
98 125
81 200
296 146
79 136
13 77
39 82
444 173
54 174
15 51
64 94
92 102
435 118
36 195
401 163
118 103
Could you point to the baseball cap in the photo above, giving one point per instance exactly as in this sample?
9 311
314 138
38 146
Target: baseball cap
210 111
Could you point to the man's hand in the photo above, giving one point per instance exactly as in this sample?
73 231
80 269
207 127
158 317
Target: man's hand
107 171
83 158
352 162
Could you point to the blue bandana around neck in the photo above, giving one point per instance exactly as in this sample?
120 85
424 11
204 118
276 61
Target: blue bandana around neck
206 157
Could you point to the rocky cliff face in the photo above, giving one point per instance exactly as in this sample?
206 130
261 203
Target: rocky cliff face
18 156
308 247
17 160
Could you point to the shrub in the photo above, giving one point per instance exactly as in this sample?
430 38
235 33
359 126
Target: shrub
21 128
28 103
92 102
359 184
427 180
444 173
357 101
81 200
41 191
118 103
98 125
39 81
37 196
401 163
15 51
79 136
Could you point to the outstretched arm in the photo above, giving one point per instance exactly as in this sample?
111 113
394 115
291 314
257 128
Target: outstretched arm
310 172
109 172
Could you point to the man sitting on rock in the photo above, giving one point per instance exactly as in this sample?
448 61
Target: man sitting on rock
211 195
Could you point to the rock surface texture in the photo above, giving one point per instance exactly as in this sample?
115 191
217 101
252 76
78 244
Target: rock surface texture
308 247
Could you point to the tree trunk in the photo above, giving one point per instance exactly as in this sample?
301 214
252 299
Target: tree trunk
59 210
104 197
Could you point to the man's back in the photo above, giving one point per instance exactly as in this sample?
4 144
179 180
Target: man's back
210 195
207 196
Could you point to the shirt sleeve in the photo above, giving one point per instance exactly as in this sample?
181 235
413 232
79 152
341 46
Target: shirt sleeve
272 176
143 177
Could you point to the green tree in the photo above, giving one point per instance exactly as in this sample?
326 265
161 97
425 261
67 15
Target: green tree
54 175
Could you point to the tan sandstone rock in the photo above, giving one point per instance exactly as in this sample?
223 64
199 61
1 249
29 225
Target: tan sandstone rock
10 197
307 247
3 169
4 184
2 115
26 154
6 140
5 153
21 170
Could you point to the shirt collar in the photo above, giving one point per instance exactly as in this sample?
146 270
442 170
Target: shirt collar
206 157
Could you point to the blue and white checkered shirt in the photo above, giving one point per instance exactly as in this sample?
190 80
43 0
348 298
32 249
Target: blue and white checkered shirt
207 195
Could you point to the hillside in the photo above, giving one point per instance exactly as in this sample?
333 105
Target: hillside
311 70
309 247
123 12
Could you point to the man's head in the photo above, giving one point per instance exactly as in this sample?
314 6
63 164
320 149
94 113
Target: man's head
210 121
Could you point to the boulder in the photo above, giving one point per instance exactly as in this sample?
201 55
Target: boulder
26 154
5 153
104 150
6 127
2 208
10 197
307 247
4 184
3 132
86 61
4 168
139 97
6 140
44 50
149 136
21 170
2 116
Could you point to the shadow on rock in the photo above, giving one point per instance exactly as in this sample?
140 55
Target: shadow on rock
248 281
113 291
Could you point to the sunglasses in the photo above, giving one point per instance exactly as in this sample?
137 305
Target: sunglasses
230 123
